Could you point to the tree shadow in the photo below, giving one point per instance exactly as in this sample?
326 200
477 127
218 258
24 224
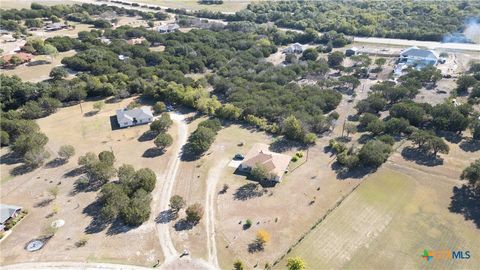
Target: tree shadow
256 246
97 224
56 162
356 173
38 63
10 158
153 152
75 172
470 145
420 157
90 113
118 227
43 203
147 136
22 169
183 225
166 216
450 136
248 191
465 200
364 138
282 145
188 155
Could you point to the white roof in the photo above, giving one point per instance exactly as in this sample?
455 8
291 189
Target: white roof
168 27
416 52
6 211
137 113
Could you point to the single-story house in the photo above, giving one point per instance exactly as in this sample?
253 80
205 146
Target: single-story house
8 212
55 26
294 48
418 58
259 155
168 28
137 116
351 51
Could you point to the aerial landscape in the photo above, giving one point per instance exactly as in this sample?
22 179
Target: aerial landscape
217 134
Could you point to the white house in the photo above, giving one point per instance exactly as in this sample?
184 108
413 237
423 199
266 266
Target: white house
168 28
137 116
8 212
294 48
418 58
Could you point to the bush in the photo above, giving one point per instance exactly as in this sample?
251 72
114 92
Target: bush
82 242
248 224
159 107
194 213
294 159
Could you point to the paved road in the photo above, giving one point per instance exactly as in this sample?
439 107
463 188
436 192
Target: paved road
70 265
428 44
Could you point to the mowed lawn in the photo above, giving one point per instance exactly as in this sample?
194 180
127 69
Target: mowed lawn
386 224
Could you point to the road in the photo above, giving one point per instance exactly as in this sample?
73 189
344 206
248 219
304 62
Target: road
70 265
212 180
428 44
168 181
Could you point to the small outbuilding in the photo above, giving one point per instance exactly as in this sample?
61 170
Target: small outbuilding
351 51
133 117
294 48
168 28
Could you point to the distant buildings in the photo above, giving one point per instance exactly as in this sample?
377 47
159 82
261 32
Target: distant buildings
351 51
137 116
294 48
168 28
415 58
419 58
55 26
276 164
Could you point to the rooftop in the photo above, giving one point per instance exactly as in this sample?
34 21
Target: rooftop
275 163
138 113
6 211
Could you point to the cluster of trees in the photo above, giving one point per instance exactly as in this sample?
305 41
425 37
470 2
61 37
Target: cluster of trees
472 174
394 19
34 17
24 137
201 139
130 198
99 169
159 128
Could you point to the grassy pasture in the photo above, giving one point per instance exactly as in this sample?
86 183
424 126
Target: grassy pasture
386 223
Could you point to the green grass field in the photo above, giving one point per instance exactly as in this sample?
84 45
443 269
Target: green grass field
386 224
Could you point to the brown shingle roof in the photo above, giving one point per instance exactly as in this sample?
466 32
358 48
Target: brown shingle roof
275 163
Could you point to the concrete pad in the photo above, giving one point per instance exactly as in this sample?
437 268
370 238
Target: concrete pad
234 163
